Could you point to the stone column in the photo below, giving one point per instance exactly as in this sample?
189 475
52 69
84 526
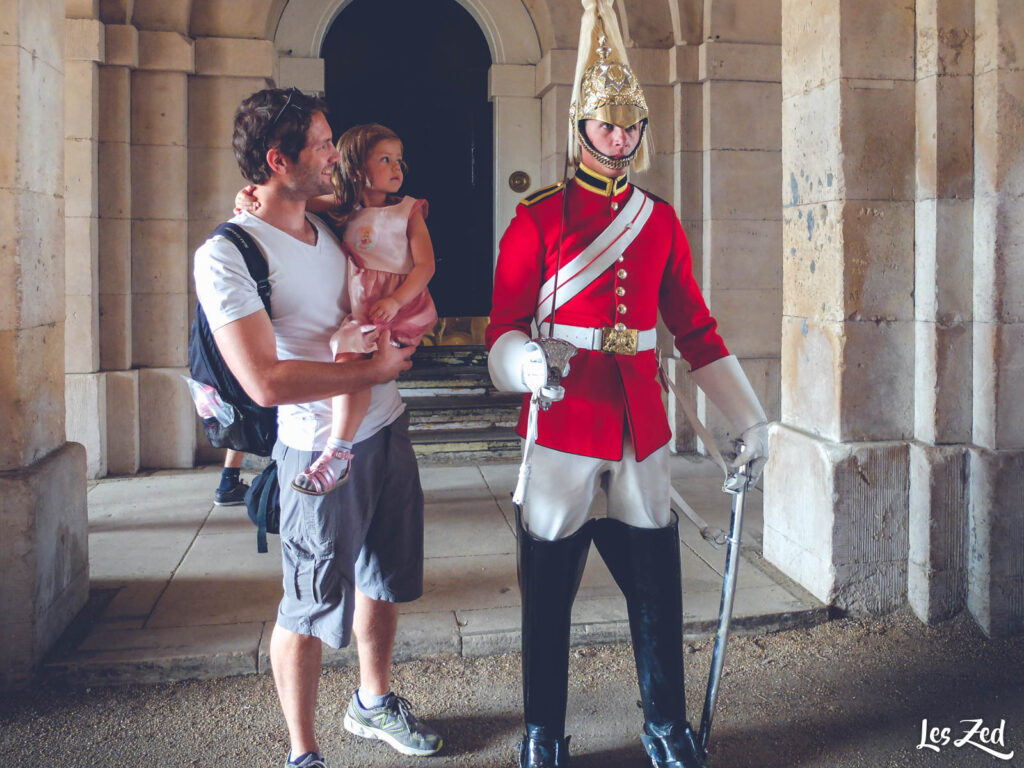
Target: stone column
44 564
936 579
115 248
85 394
159 252
227 71
741 278
684 155
653 68
555 72
517 131
837 485
995 587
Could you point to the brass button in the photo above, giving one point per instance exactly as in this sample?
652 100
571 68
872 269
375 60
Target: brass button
615 206
620 326
622 309
620 291
621 258
623 274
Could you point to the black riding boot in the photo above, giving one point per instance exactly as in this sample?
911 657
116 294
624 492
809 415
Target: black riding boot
549 575
645 565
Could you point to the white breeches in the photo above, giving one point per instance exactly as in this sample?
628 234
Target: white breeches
562 494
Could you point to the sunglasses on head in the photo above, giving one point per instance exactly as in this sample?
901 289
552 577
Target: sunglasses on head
288 103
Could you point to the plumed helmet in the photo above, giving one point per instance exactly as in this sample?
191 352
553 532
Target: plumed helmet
605 87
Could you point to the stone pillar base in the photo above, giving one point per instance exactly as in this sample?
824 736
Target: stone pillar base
995 541
167 419
937 568
85 399
123 450
44 558
835 518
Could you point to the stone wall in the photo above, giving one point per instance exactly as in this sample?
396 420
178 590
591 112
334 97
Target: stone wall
717 132
943 308
836 488
44 546
156 118
893 468
995 512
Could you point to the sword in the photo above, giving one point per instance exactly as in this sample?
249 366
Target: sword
519 494
738 489
556 353
736 484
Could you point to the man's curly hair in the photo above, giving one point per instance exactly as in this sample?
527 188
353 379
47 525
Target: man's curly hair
272 118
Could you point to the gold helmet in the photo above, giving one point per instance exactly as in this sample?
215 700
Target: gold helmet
605 87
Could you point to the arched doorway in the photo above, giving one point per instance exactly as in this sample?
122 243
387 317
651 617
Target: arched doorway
421 69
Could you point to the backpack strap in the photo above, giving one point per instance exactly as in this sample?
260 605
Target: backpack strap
255 262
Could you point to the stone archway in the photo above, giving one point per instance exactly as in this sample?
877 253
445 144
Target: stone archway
508 27
515 51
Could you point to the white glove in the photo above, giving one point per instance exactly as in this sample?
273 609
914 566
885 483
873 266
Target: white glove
752 450
727 386
506 359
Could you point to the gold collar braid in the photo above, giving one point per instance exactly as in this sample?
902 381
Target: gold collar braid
602 185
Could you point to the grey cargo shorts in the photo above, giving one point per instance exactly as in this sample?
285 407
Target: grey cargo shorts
366 534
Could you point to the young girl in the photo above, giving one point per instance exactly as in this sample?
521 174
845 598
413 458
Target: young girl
390 262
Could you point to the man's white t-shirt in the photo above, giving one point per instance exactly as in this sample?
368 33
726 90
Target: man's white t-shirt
308 301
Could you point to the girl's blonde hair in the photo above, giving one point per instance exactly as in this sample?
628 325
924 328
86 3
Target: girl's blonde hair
349 174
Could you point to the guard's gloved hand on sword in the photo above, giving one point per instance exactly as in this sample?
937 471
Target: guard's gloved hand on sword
520 364
725 383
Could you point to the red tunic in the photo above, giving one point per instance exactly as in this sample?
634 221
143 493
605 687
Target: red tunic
604 393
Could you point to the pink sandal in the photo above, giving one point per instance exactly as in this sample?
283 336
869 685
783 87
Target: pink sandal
318 478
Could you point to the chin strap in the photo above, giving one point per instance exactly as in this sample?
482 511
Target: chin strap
615 163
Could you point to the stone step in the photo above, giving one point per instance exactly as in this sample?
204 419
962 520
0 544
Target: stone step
444 380
441 446
468 354
495 409
455 413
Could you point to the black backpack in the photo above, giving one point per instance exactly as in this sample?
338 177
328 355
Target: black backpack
254 429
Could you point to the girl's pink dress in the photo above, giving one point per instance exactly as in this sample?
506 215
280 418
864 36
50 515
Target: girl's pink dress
376 242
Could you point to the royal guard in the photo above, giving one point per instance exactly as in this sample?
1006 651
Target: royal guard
583 271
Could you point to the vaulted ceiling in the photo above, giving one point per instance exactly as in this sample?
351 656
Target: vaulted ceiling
650 23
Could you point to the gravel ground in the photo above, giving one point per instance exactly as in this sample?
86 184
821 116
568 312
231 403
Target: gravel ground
846 694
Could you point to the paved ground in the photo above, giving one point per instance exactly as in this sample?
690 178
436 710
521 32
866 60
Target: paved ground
181 592
846 694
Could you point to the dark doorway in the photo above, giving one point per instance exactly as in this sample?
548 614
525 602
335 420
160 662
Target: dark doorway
420 68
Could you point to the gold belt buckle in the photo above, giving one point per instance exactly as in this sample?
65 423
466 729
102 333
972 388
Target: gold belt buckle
619 341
